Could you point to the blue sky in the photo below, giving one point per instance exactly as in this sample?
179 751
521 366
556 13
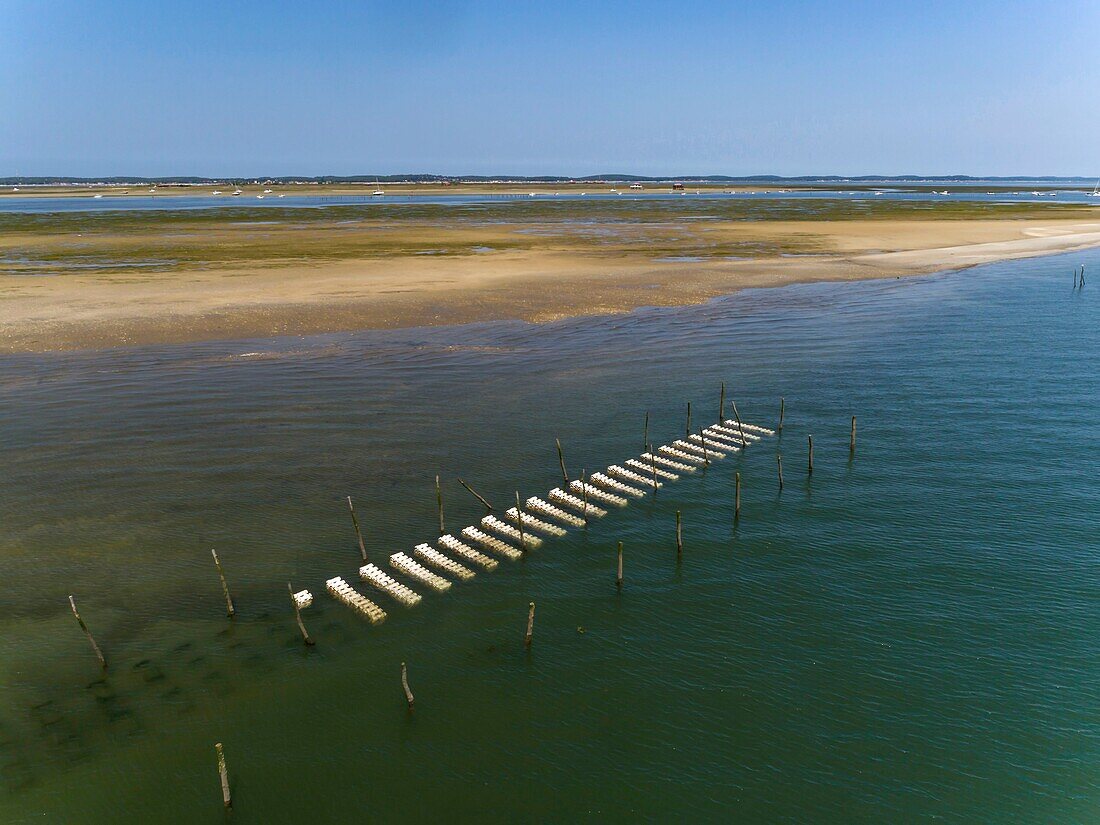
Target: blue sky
247 88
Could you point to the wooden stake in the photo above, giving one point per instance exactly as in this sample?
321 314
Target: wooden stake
561 462
1075 277
736 496
227 800
645 436
229 611
439 504
722 403
298 616
782 405
519 522
779 462
852 440
584 495
530 624
358 532
744 441
810 457
405 685
703 438
687 429
619 574
679 538
478 496
88 633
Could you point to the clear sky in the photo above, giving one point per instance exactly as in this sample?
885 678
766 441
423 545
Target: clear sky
313 87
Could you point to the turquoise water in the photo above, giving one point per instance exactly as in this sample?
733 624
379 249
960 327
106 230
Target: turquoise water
909 634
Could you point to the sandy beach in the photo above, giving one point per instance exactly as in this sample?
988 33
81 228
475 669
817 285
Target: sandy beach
538 283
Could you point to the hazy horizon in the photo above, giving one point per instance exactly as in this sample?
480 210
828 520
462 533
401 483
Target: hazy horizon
251 89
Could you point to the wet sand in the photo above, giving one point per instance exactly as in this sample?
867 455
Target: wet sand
95 311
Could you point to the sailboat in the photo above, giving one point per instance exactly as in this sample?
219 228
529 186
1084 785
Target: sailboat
377 189
1095 190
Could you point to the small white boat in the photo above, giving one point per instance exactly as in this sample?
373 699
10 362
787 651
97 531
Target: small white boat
216 192
1095 193
259 197
97 196
267 191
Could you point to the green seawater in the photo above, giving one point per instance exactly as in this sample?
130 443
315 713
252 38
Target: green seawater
910 634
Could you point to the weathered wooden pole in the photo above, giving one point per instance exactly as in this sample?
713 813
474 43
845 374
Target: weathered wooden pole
1082 274
645 436
561 462
519 521
88 633
703 438
737 415
687 429
619 573
782 409
852 438
405 685
736 496
477 495
722 403
229 611
679 538
223 774
358 532
1075 277
439 505
810 456
779 464
298 616
530 624
584 495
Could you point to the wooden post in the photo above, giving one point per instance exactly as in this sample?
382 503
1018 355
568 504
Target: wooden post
619 573
722 403
229 611
744 441
1082 274
736 496
88 633
782 406
703 438
584 495
530 624
779 463
1075 277
223 774
561 462
478 496
358 532
852 439
679 538
298 616
687 429
439 505
810 456
645 436
519 521
405 685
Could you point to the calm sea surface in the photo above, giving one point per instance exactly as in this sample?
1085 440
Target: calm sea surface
908 635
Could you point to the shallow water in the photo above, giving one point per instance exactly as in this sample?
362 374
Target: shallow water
909 634
1024 192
